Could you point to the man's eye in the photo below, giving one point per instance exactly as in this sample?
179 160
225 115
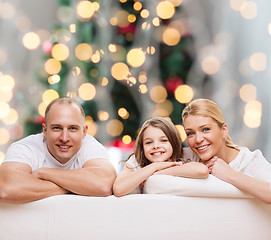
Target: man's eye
56 128
73 129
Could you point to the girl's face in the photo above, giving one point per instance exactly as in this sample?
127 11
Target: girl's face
204 136
156 145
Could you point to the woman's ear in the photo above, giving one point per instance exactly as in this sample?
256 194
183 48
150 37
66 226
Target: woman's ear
225 130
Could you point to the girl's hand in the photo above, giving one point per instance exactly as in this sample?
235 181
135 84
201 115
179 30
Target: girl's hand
163 165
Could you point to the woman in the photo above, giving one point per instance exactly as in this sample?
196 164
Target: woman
207 136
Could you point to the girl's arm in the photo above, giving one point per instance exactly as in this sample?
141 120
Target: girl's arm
189 170
258 188
129 179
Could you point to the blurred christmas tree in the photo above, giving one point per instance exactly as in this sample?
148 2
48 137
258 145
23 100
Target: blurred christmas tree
123 61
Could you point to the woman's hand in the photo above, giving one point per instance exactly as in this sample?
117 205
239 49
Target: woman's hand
219 168
158 166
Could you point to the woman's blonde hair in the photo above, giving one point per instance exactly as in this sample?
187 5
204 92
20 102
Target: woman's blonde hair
207 108
170 131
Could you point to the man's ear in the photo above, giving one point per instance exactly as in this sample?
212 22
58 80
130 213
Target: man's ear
225 130
44 129
85 130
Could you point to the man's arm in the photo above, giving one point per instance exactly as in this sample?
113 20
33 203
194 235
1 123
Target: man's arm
17 184
96 178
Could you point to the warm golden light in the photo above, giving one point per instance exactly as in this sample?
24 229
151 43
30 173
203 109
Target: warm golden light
165 10
103 115
52 66
171 36
126 139
136 57
253 114
49 95
144 13
42 108
31 40
249 10
5 95
11 118
7 82
122 18
156 22
122 112
181 131
85 10
137 6
184 93
258 61
4 110
142 78
114 127
54 79
176 3
60 52
248 92
87 91
5 136
158 94
131 18
73 28
150 50
120 71
143 88
210 65
105 81
92 126
145 26
236 4
83 51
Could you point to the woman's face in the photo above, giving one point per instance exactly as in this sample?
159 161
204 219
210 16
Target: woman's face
204 136
156 145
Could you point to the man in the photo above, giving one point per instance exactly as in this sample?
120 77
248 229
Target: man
63 159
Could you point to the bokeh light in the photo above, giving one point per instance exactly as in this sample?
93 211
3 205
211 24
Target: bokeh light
210 65
5 136
31 40
257 61
4 110
83 51
165 10
253 114
123 113
136 57
103 115
49 95
85 10
114 127
158 94
184 93
248 92
181 131
92 126
249 10
52 66
87 91
126 139
120 71
11 118
60 52
171 36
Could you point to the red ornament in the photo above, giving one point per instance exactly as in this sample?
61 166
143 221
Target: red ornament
129 29
172 83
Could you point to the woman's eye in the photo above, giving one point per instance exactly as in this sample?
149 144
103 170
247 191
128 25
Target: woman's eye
206 129
189 134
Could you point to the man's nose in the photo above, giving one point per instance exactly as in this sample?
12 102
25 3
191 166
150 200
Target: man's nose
64 137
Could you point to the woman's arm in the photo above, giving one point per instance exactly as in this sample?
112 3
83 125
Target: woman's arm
255 187
129 179
189 170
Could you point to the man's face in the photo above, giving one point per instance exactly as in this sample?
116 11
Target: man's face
64 131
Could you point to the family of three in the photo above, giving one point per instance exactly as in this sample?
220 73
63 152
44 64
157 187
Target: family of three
65 159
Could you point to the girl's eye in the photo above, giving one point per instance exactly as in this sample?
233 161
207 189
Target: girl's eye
149 142
164 140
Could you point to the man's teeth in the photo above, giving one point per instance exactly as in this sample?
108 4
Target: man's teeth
64 147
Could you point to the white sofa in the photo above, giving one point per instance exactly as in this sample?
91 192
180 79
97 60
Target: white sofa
142 216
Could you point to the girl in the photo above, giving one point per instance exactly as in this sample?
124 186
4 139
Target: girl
158 150
207 136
